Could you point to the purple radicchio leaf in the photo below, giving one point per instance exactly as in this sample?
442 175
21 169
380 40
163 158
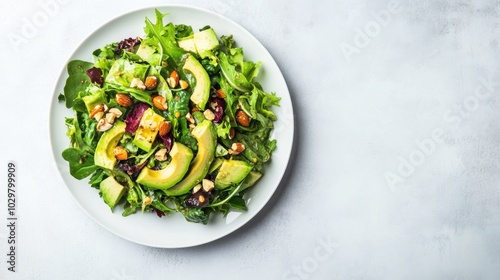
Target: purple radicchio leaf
126 44
95 75
132 170
134 117
168 140
218 105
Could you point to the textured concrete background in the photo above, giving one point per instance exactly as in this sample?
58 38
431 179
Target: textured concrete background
395 170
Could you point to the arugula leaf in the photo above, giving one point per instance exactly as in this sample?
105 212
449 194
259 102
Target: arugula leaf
166 37
236 79
96 178
90 131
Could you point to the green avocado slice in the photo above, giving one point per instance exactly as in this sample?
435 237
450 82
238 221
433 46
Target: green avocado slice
232 172
111 191
170 175
206 136
201 90
104 152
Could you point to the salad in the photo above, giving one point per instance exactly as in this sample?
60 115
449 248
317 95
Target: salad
169 122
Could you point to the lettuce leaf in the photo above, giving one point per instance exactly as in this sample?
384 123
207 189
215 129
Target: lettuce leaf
166 37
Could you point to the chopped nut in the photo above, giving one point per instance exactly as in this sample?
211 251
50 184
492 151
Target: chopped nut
110 118
164 128
232 132
242 118
209 115
197 188
123 100
191 126
183 84
151 82
189 117
160 102
97 108
220 93
161 155
105 108
236 148
201 198
214 105
115 112
173 80
146 200
207 185
137 83
98 116
120 153
103 125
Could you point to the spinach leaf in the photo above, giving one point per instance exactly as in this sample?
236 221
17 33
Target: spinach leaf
182 31
77 80
81 164
196 215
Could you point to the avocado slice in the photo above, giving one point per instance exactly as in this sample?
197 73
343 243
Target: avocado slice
206 136
232 172
187 44
96 97
145 135
170 175
104 151
202 43
201 91
250 180
206 41
111 191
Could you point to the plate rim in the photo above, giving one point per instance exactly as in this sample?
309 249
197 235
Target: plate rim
145 9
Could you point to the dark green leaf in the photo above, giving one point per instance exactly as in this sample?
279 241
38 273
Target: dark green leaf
196 215
77 80
182 30
81 164
238 203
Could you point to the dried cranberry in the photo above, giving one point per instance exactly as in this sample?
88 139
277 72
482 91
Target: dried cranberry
197 199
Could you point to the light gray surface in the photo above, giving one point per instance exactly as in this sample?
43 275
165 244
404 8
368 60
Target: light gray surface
405 91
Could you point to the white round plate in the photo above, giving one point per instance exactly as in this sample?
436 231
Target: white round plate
173 231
